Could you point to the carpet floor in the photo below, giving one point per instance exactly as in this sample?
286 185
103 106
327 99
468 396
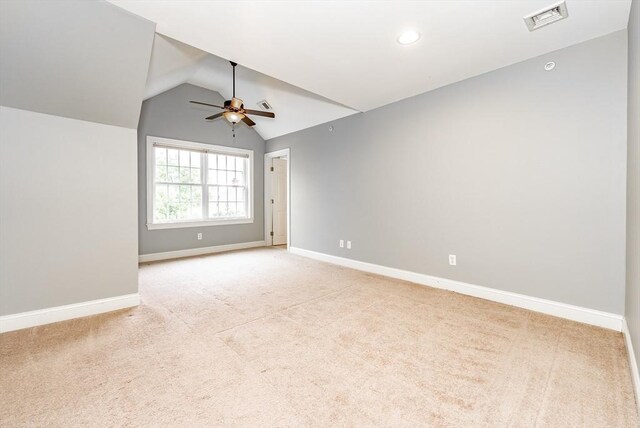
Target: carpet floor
266 338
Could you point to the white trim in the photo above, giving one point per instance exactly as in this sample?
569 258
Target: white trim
633 363
62 313
202 223
558 309
203 147
143 258
286 153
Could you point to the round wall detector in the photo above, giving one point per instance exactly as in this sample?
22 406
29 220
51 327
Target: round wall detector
549 66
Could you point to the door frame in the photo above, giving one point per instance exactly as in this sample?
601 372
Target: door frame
284 153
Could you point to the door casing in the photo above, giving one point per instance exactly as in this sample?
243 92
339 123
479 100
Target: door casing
284 153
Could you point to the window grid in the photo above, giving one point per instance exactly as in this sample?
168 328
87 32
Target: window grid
195 185
226 188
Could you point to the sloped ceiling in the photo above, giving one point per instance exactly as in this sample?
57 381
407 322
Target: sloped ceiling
174 63
81 59
346 51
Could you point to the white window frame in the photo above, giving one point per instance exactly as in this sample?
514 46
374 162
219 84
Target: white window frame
180 144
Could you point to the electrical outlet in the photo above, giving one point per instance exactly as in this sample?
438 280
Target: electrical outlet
348 245
452 259
341 243
199 236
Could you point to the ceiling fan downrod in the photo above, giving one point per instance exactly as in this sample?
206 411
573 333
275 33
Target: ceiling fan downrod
233 64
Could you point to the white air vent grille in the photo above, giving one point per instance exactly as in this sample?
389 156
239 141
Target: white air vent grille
546 16
264 105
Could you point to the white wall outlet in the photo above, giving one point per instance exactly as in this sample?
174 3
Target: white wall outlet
341 243
199 236
348 245
452 259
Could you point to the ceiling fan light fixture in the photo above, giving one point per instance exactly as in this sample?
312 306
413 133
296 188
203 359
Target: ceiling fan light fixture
408 37
233 117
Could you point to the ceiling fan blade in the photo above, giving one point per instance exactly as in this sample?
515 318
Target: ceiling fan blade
260 113
248 121
215 116
205 104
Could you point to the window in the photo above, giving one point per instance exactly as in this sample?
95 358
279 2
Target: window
194 184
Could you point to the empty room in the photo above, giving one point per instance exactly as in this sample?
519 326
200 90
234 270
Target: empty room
319 213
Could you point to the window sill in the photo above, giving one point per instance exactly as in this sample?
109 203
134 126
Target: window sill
204 223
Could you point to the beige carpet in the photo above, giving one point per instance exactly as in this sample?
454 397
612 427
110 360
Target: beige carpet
264 338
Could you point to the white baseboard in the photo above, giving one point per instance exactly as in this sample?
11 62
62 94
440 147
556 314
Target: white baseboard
143 258
62 313
633 363
562 310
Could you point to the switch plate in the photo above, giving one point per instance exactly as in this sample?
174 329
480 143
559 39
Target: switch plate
341 243
199 236
348 245
452 259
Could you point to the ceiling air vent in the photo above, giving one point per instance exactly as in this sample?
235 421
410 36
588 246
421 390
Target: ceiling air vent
264 105
546 16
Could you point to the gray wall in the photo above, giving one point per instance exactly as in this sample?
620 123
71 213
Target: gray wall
68 228
67 211
519 172
632 311
170 115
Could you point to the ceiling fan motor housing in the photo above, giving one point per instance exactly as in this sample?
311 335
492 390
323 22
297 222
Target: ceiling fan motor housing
236 103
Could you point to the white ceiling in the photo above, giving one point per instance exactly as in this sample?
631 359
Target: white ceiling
346 51
174 63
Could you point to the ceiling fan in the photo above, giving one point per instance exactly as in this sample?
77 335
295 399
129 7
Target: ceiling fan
234 110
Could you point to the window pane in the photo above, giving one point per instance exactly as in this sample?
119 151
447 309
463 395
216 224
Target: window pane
222 162
177 203
213 194
195 160
222 194
161 173
231 210
185 175
241 209
196 202
231 194
240 178
185 158
172 157
173 175
195 175
161 198
213 209
222 177
240 164
161 156
240 193
213 162
222 209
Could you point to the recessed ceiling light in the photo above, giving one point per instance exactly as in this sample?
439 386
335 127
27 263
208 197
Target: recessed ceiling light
408 37
550 66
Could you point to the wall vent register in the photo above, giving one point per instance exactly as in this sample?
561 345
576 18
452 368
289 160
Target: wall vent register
546 16
264 105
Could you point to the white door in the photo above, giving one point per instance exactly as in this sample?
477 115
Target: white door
279 197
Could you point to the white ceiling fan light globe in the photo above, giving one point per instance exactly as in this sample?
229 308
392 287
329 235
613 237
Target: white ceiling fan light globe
233 117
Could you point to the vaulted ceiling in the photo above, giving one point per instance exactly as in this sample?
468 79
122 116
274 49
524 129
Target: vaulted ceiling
174 63
347 51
